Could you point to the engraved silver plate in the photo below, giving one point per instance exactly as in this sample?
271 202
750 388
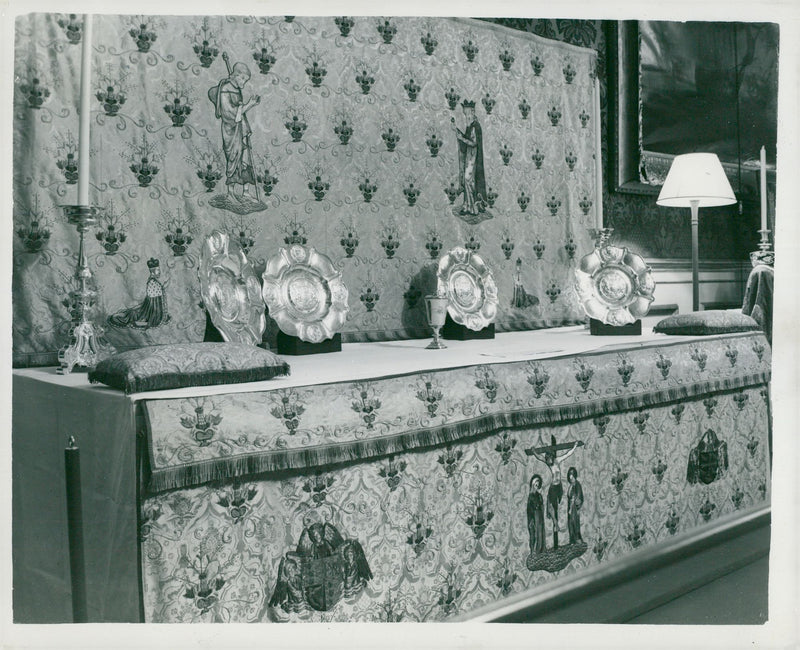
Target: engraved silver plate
615 286
470 288
305 293
230 290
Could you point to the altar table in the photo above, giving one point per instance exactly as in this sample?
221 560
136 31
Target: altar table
386 482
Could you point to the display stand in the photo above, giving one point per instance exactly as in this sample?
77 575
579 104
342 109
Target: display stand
288 344
599 328
455 332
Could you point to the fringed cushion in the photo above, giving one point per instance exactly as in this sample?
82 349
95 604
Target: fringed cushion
713 321
160 367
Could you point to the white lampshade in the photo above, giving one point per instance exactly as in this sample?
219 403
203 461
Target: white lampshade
696 177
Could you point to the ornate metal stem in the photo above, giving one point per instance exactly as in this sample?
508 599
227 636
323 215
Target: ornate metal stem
86 346
764 254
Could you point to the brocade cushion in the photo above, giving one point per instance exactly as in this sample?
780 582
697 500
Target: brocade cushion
713 321
161 367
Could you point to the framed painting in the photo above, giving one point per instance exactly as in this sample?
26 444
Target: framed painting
681 87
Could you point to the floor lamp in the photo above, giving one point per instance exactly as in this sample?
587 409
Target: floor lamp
696 180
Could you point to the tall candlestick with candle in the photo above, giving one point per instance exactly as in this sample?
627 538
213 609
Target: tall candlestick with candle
763 255
86 345
598 152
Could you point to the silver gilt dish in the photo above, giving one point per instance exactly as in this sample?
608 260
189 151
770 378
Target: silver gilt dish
230 290
615 285
470 288
305 294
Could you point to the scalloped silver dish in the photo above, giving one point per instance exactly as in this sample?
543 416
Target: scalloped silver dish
230 290
305 293
470 288
615 285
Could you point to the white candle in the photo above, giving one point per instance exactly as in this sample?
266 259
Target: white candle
85 110
763 188
598 199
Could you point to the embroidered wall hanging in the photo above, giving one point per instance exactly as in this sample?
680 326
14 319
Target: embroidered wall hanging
381 142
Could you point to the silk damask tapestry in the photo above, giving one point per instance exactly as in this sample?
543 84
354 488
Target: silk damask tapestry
382 142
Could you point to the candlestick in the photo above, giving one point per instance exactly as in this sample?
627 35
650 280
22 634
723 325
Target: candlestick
763 188
598 152
77 564
85 110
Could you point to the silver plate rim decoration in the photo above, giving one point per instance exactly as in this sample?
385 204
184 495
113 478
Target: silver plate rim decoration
305 293
470 288
230 290
614 285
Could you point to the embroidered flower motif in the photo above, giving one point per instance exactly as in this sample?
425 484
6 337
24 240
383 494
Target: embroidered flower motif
486 382
672 522
365 80
585 204
366 404
737 497
430 396
507 246
343 131
412 89
569 73
707 509
506 580
34 237
412 296
429 42
449 594
144 37
758 348
584 374
553 291
659 469
387 31
538 158
392 471
699 356
202 425
317 487
635 536
506 59
732 353
618 479
449 460
35 92
390 138
479 517
504 447
236 501
537 64
433 245
434 143
345 24
601 422
452 98
538 248
583 116
470 50
419 537
752 446
640 420
523 200
710 403
538 378
553 204
288 410
663 364
524 108
677 412
506 154
390 242
488 103
599 548
554 114
741 400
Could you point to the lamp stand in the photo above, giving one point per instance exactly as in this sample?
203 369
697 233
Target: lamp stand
695 205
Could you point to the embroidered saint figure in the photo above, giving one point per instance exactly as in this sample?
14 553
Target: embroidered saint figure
231 109
152 312
472 180
521 298
574 503
536 515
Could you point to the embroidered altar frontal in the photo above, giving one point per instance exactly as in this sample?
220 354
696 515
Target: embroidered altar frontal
381 142
461 486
